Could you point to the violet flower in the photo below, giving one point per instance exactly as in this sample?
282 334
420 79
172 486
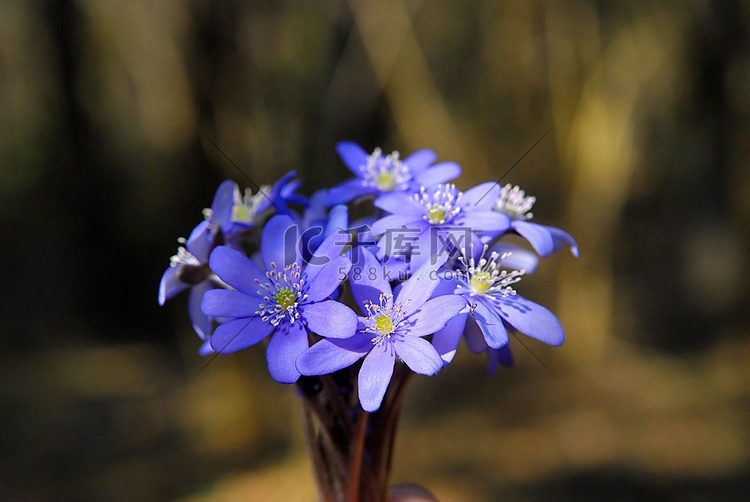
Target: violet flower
378 174
495 306
392 330
436 218
286 301
545 240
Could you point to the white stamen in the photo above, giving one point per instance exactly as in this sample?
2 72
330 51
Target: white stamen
183 256
484 277
386 173
515 203
441 205
383 319
282 295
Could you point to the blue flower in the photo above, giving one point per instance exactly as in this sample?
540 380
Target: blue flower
495 306
286 300
436 217
378 174
392 330
545 240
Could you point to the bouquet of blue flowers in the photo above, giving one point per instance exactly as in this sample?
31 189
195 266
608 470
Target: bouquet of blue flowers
349 310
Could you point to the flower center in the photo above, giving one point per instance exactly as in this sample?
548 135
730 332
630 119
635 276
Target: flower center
484 277
515 203
282 295
285 298
441 205
245 208
383 319
183 256
386 173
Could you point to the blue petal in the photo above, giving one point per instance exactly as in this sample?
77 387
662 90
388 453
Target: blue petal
170 285
202 324
485 221
532 320
474 336
446 340
415 292
329 250
221 207
232 304
347 191
491 325
537 235
278 244
239 334
330 319
328 278
439 173
368 278
435 314
374 376
328 356
419 160
518 259
560 238
353 156
398 224
481 197
236 269
199 243
399 203
419 355
283 350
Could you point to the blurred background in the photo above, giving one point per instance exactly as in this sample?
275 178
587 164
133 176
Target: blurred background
106 112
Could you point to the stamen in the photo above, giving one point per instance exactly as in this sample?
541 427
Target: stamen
383 319
183 256
515 203
484 277
386 173
282 295
245 208
441 205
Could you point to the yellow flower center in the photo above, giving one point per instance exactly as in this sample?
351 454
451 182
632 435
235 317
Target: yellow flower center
385 181
285 298
384 324
481 282
436 214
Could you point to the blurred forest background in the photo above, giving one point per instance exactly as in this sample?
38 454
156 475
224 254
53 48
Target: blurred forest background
105 111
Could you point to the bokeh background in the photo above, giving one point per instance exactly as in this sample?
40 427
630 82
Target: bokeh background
106 112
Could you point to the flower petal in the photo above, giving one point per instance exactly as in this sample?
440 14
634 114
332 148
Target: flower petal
239 334
397 224
532 320
419 355
560 238
329 250
283 350
419 160
374 376
399 203
537 235
221 207
474 336
353 156
347 191
415 291
446 340
481 197
232 304
328 356
278 244
325 282
485 221
199 241
330 319
236 269
170 285
368 278
491 325
439 173
435 314
202 324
